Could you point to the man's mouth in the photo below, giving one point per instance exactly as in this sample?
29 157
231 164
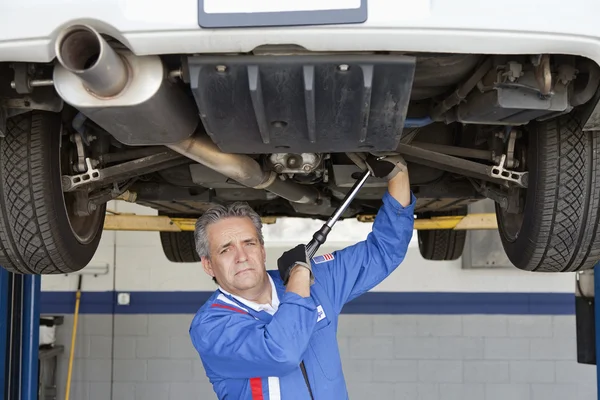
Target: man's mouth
244 270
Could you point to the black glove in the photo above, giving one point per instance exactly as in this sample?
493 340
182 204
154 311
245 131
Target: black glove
291 258
386 167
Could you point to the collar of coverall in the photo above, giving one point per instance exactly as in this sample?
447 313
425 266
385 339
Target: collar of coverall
269 308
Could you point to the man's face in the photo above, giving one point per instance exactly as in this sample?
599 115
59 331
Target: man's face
237 259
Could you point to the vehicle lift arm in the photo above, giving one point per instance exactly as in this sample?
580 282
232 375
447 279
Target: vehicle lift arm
162 223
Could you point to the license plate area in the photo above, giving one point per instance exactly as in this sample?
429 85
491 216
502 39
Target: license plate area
264 13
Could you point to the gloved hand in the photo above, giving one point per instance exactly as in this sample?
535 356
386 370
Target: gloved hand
291 259
385 166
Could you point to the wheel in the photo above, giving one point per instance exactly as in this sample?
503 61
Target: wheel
39 231
442 244
179 247
558 228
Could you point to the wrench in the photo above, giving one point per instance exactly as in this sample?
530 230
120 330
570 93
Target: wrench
321 235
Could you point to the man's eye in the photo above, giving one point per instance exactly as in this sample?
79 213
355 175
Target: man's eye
224 250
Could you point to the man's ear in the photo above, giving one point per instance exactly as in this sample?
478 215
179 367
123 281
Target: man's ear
207 266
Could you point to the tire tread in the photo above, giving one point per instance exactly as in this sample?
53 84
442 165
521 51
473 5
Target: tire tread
442 244
30 240
179 247
566 213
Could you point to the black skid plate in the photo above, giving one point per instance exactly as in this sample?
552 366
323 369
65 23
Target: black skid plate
276 104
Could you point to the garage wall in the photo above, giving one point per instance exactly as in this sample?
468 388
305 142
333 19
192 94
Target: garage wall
430 331
458 357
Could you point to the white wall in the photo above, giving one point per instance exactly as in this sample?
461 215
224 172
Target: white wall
142 266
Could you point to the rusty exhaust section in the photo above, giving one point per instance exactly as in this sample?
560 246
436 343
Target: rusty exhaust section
242 169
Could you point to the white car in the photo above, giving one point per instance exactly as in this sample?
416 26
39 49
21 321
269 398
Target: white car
178 105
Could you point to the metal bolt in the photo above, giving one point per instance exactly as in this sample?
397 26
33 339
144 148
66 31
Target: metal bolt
92 207
279 168
306 168
343 67
35 83
178 73
221 68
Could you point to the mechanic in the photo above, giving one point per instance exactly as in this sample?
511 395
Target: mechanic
272 334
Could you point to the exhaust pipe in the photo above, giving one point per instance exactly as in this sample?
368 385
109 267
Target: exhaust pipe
131 98
83 52
243 169
126 95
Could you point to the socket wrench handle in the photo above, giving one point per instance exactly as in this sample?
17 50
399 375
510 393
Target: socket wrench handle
321 235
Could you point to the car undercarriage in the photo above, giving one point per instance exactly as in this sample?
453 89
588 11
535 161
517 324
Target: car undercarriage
281 128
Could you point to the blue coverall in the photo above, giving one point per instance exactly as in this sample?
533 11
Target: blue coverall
255 355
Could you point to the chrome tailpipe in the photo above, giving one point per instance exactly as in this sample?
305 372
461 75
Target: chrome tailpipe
132 98
82 51
243 169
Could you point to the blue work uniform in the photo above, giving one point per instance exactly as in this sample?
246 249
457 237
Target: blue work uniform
253 354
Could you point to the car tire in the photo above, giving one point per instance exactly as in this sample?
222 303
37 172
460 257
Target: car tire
39 234
179 247
442 244
558 228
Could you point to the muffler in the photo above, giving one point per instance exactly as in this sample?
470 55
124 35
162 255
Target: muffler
131 98
125 94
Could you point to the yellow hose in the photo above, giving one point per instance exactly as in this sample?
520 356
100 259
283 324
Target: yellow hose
74 335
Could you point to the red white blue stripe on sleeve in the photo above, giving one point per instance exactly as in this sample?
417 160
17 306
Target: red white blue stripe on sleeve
265 389
323 258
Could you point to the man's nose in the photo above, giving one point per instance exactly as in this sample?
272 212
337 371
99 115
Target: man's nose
241 255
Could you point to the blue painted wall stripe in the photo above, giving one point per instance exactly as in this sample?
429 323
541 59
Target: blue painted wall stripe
369 303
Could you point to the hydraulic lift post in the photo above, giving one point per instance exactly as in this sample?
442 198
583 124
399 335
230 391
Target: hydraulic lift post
597 325
587 319
30 338
19 335
4 326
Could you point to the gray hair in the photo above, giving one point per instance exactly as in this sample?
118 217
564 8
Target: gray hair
217 213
